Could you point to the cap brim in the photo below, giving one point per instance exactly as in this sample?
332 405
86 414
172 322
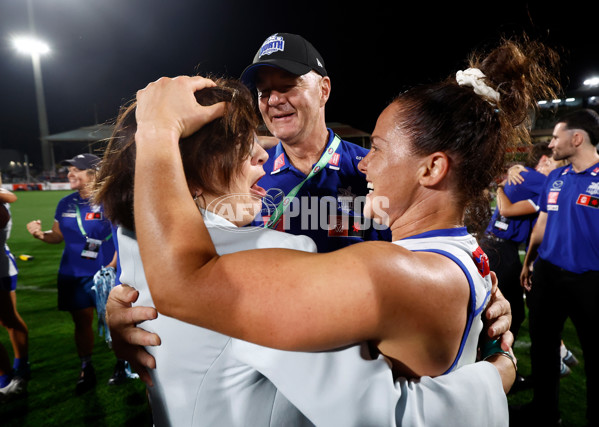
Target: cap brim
248 77
78 165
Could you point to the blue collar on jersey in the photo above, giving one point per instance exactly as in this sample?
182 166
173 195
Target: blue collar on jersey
281 161
458 231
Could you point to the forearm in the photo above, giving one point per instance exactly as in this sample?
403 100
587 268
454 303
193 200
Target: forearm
7 196
163 231
49 236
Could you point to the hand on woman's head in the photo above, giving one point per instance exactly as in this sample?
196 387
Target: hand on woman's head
169 105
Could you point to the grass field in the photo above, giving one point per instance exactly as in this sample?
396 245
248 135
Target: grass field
51 400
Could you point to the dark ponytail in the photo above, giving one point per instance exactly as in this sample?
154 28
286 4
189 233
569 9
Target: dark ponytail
474 130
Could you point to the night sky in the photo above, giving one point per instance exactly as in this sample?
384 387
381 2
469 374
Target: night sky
103 51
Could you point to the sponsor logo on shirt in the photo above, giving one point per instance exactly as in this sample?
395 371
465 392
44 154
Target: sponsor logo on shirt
589 201
91 216
335 159
552 197
279 162
482 261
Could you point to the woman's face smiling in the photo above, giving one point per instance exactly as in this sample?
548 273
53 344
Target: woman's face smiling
390 170
243 196
79 179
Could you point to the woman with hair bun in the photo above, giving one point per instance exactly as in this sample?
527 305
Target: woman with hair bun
418 300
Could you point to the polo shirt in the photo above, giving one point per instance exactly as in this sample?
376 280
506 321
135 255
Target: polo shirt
571 201
518 228
328 207
95 225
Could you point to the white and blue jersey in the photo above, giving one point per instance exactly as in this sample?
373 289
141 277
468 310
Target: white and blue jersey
8 266
71 211
571 201
459 246
328 207
518 228
203 378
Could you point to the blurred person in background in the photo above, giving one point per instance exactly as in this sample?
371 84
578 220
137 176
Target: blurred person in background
564 250
13 381
89 246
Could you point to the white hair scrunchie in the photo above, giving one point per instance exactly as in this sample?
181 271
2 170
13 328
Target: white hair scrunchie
473 77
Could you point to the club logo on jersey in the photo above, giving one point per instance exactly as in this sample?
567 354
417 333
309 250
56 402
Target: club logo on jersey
586 200
482 262
90 216
274 43
593 189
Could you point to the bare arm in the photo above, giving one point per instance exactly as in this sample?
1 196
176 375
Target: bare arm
51 236
7 196
536 238
507 208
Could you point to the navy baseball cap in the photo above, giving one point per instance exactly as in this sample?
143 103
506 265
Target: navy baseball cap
288 52
83 161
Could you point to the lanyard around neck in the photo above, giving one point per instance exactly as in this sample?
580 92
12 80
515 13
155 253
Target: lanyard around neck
324 159
80 224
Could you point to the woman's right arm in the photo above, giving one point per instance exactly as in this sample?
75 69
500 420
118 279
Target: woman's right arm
53 236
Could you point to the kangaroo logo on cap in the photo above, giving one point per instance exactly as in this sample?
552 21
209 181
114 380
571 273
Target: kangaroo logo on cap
271 45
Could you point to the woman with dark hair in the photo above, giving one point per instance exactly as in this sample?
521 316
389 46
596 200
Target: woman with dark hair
417 300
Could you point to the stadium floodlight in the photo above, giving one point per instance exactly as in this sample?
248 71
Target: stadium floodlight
31 46
592 82
36 48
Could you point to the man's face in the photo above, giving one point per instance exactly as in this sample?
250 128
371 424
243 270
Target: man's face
561 142
290 105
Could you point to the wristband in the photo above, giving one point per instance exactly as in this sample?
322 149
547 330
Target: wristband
492 348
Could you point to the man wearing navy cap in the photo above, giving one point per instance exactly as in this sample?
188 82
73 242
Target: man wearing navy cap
565 281
314 185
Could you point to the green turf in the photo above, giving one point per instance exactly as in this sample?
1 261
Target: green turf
51 400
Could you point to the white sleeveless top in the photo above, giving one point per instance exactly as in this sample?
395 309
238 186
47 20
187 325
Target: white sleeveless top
462 248
203 378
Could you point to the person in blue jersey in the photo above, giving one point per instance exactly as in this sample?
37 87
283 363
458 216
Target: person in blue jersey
88 246
564 250
442 143
311 167
509 229
13 380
